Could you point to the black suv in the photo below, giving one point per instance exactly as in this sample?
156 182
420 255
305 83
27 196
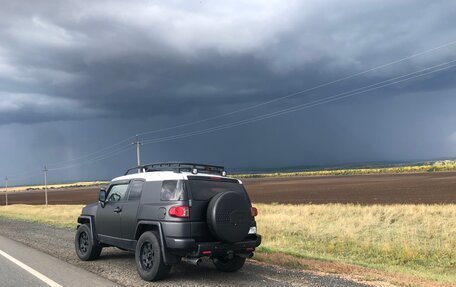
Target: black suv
168 212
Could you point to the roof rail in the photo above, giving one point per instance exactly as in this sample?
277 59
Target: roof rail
180 167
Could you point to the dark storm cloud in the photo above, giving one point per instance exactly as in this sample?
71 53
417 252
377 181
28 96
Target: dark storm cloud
158 63
170 56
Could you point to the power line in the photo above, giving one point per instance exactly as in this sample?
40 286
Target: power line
307 105
117 151
17 175
29 175
339 96
90 154
300 92
274 114
99 158
263 103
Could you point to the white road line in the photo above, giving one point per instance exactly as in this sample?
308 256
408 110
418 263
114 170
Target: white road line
30 270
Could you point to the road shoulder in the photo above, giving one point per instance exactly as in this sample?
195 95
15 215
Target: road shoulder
54 269
119 266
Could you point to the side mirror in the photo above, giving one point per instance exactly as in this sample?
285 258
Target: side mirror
102 196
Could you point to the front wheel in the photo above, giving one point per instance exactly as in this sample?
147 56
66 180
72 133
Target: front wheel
149 258
86 248
229 265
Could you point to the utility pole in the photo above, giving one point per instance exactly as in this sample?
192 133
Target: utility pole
6 190
138 154
45 170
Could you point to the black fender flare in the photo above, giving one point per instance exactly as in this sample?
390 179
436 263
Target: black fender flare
168 258
82 219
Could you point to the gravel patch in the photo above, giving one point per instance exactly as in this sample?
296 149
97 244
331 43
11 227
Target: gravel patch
119 266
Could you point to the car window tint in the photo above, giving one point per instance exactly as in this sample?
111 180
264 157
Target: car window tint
172 190
117 192
135 190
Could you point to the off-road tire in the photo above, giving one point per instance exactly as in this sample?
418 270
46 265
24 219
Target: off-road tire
149 257
86 248
229 265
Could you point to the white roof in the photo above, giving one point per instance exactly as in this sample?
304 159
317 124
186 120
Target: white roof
164 175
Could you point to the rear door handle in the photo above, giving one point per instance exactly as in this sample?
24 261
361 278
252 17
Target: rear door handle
118 210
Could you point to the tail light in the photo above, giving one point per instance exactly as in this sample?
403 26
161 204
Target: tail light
181 211
254 211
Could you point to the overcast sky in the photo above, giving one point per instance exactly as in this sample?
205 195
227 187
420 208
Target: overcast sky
80 76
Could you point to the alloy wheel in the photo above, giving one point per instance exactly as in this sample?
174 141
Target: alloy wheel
147 256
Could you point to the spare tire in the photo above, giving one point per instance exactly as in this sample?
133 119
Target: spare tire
229 216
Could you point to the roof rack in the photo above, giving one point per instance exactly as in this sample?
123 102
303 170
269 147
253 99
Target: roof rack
180 167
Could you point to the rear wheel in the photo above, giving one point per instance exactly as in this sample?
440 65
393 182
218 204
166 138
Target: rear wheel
86 248
229 265
149 258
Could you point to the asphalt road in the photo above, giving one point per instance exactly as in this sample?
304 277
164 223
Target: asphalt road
119 266
21 265
12 275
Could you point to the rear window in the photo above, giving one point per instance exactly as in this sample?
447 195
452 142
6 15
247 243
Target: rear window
172 190
206 189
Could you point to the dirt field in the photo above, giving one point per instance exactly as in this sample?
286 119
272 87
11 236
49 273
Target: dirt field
429 188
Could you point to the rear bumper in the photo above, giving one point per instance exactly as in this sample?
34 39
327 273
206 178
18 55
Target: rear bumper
188 246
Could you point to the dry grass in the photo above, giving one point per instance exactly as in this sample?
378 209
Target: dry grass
52 186
56 215
444 165
416 239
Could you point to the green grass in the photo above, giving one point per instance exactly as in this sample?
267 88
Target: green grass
446 165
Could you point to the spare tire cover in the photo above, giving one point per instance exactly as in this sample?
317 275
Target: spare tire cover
229 216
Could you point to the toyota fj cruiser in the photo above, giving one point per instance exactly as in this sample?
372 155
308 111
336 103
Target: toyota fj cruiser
169 212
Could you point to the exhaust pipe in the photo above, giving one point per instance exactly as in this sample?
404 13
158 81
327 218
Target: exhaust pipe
246 255
192 261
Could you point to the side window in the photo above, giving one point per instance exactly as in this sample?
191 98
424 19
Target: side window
135 189
117 192
172 190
